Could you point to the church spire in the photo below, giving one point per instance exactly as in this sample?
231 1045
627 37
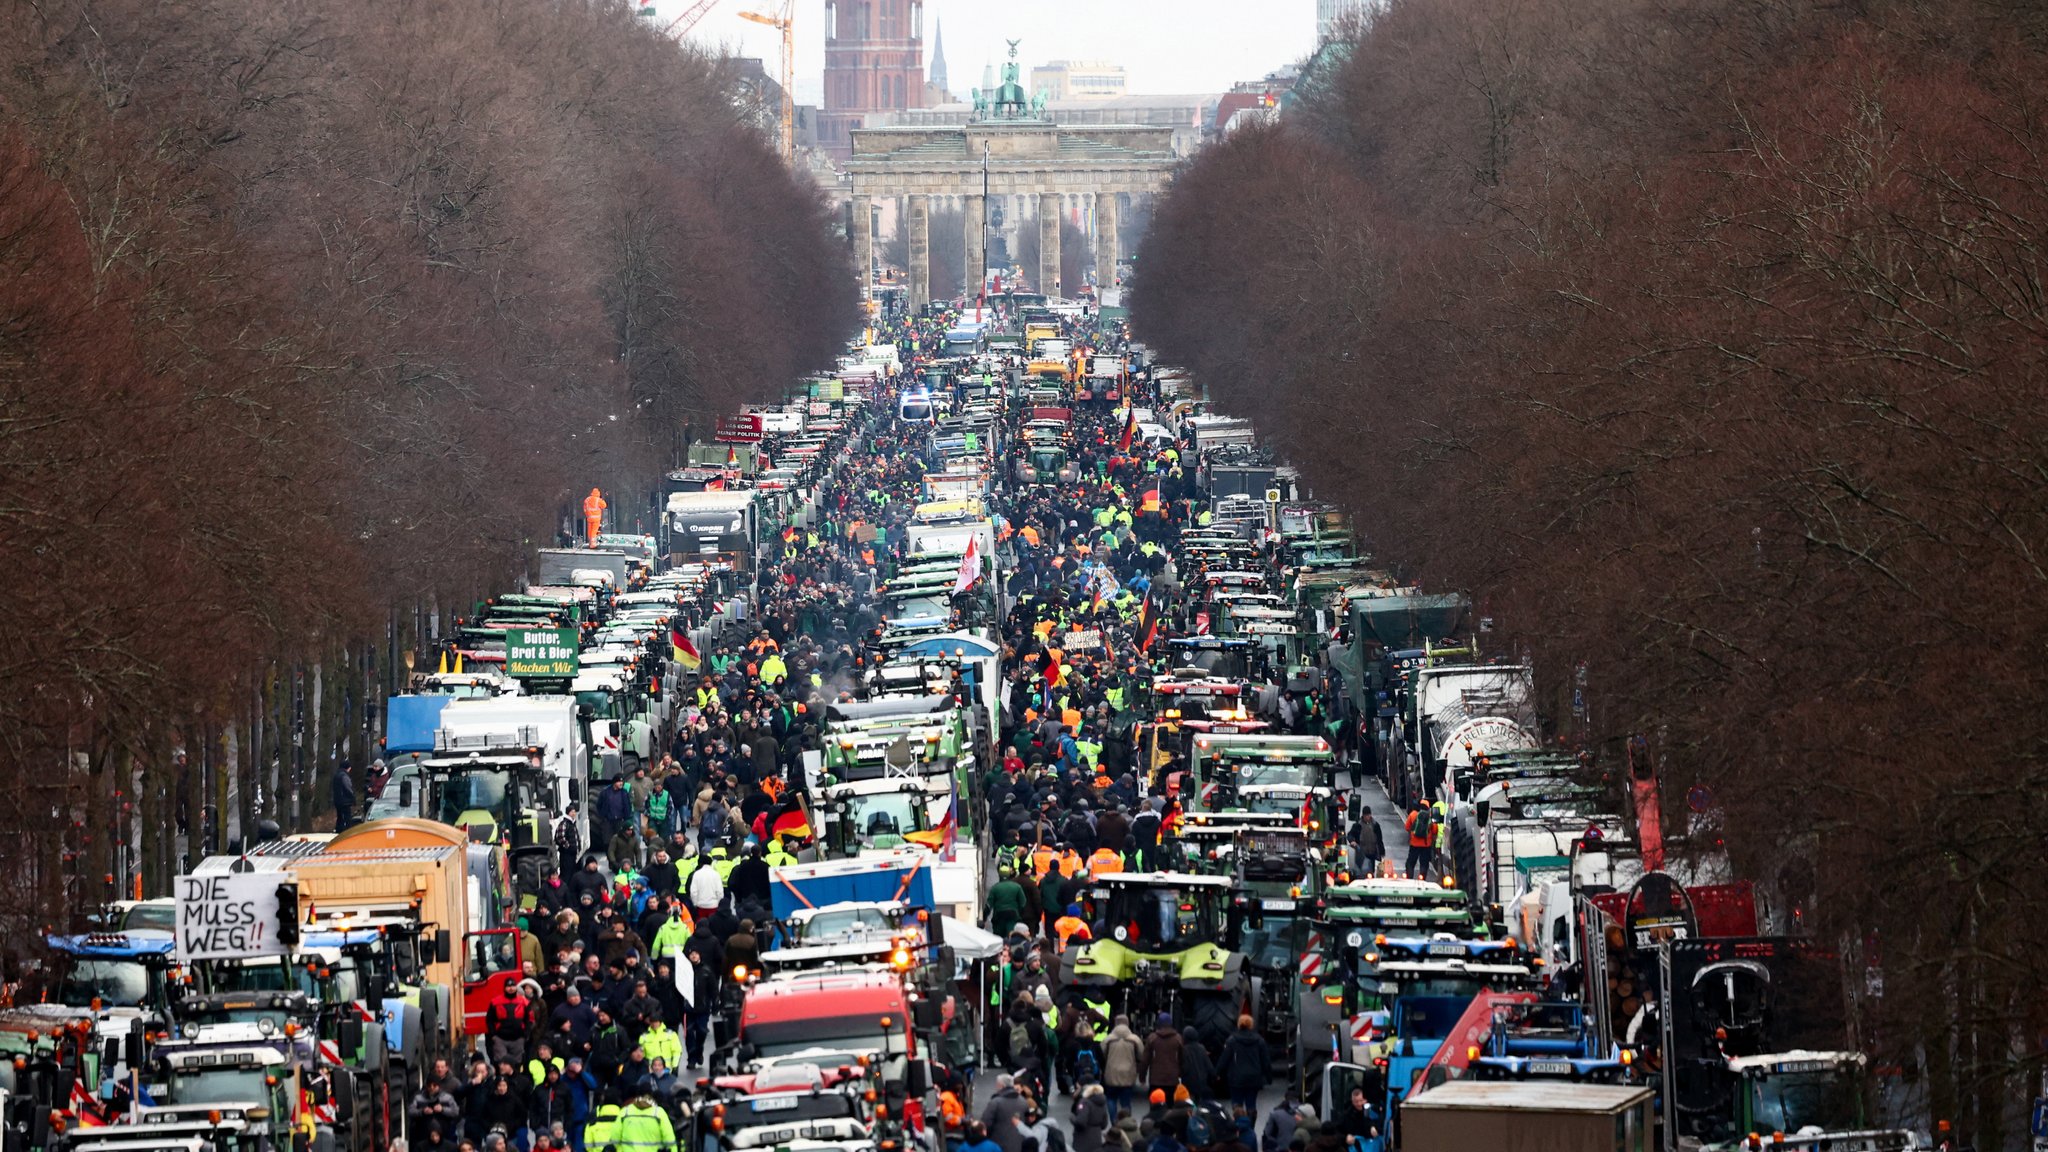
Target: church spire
938 80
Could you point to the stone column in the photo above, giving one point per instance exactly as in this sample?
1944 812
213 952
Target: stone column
862 229
1106 251
919 252
1049 244
974 213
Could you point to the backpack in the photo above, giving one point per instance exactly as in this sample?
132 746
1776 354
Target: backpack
1201 1133
1020 1040
1086 1069
1425 824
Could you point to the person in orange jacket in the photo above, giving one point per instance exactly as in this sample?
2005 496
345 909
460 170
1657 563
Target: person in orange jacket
593 515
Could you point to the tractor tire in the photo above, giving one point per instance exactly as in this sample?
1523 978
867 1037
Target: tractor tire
1213 1015
1465 859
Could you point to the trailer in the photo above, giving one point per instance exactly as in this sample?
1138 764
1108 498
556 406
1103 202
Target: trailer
1527 1116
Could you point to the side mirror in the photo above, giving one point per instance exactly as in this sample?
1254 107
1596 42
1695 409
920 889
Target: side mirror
576 792
405 794
925 1014
444 947
917 1078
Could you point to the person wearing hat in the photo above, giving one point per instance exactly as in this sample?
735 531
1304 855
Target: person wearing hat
1163 1051
1070 925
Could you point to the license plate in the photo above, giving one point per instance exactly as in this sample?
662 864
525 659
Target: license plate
1278 905
774 1103
1550 1068
1446 949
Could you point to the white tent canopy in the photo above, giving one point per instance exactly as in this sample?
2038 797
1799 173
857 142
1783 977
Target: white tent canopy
969 942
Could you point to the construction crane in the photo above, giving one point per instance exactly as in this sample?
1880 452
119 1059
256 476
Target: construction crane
786 24
681 25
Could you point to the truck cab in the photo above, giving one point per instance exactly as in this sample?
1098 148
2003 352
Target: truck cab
234 1079
1815 1099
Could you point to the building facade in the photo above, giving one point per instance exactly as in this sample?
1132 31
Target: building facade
874 62
1079 80
1330 12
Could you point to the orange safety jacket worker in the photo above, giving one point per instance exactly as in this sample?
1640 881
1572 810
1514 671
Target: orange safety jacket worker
1042 859
1070 863
593 514
1419 836
1067 927
1104 860
951 1110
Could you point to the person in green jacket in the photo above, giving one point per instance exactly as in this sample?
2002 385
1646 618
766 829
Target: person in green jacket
642 1128
1007 903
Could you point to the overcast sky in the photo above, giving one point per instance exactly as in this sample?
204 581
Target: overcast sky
1167 46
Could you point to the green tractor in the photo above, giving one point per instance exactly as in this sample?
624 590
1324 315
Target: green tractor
1158 945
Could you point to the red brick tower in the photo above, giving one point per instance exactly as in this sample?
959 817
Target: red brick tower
874 62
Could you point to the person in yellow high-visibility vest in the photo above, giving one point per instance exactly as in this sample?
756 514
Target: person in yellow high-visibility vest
642 1127
603 1128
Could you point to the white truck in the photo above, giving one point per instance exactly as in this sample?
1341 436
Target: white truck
482 768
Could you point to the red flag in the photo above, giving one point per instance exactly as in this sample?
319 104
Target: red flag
1149 500
970 567
1123 443
732 456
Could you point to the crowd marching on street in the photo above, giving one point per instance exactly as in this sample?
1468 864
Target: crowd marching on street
595 1047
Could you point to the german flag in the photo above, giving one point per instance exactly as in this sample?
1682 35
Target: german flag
1148 624
686 653
1123 444
793 825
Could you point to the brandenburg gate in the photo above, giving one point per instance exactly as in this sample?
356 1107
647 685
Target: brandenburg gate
1008 148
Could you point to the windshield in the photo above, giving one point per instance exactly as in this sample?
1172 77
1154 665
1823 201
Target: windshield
845 1034
1427 1017
845 921
256 976
599 703
473 790
1276 942
1165 919
121 983
1221 662
883 819
1790 1101
243 1013
1263 773
153 916
780 1109
227 1086
1288 804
